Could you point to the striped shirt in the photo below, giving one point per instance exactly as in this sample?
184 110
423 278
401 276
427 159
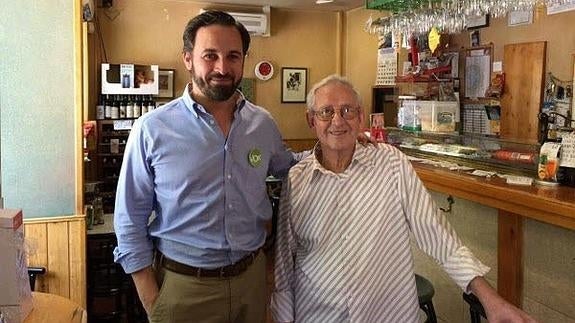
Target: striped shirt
343 243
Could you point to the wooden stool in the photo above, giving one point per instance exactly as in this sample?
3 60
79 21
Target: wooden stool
425 292
476 310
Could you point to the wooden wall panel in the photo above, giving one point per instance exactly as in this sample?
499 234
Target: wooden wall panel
37 250
524 66
59 245
58 260
77 256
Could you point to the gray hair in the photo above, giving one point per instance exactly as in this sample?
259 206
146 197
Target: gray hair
334 78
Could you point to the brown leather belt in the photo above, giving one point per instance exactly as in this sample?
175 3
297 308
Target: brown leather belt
222 272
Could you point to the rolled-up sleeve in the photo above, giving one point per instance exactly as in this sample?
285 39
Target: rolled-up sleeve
134 203
282 300
433 233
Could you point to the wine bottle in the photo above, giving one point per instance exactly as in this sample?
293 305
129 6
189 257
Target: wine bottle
129 107
115 108
137 106
144 105
123 104
108 108
151 103
100 108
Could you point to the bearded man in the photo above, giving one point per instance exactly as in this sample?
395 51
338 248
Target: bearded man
199 164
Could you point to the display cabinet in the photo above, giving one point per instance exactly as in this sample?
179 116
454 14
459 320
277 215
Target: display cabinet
478 152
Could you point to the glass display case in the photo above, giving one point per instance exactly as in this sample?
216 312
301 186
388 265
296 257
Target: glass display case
479 152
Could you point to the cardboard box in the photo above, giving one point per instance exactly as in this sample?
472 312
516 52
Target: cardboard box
16 296
130 79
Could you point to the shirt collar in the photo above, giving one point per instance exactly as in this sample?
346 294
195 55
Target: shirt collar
195 107
360 157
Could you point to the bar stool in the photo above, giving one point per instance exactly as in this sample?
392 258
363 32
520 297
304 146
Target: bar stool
425 292
476 310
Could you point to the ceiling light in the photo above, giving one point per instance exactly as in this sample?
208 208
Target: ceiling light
323 1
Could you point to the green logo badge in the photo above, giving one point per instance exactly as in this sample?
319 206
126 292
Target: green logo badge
255 157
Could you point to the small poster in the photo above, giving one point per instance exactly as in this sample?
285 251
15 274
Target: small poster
568 151
127 75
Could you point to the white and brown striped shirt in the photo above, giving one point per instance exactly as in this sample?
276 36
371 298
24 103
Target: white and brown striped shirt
343 243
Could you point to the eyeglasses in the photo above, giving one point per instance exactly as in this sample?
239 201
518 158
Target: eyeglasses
345 111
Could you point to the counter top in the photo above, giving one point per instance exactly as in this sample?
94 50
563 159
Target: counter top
107 227
554 205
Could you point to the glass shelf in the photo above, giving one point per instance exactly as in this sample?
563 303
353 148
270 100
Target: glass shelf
480 152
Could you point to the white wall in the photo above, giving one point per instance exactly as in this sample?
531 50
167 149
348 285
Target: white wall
37 106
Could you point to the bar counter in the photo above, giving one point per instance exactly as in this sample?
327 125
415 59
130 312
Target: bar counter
553 205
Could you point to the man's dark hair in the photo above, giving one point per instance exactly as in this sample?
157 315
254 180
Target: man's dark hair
213 17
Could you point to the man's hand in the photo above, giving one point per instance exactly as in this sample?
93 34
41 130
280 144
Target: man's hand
363 139
497 308
147 287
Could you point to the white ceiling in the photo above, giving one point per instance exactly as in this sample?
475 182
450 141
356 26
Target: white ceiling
336 5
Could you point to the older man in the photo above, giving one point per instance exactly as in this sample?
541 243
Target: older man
343 250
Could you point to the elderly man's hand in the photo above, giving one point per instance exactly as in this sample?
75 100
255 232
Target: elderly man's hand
364 139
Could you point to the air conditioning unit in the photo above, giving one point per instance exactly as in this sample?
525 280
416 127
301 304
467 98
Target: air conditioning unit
255 23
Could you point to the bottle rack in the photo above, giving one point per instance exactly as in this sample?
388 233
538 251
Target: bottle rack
112 139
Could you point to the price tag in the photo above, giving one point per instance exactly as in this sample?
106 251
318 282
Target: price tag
123 124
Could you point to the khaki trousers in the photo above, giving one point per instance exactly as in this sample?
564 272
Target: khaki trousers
239 299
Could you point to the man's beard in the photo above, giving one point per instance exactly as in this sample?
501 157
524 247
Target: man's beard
215 92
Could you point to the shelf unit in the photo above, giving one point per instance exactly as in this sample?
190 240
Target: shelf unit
112 139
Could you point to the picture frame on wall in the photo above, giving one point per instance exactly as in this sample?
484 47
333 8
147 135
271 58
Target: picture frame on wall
474 38
166 83
294 84
519 18
476 22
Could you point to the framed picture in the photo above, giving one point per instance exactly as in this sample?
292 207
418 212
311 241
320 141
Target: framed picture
474 38
518 18
475 22
166 83
294 84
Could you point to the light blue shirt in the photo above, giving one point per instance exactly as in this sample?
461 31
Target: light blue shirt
208 191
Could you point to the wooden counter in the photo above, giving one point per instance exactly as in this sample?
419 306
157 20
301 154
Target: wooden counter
553 205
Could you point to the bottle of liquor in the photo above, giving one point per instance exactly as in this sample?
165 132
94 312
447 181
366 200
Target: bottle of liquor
123 104
108 107
137 106
151 103
100 108
115 108
129 107
144 105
